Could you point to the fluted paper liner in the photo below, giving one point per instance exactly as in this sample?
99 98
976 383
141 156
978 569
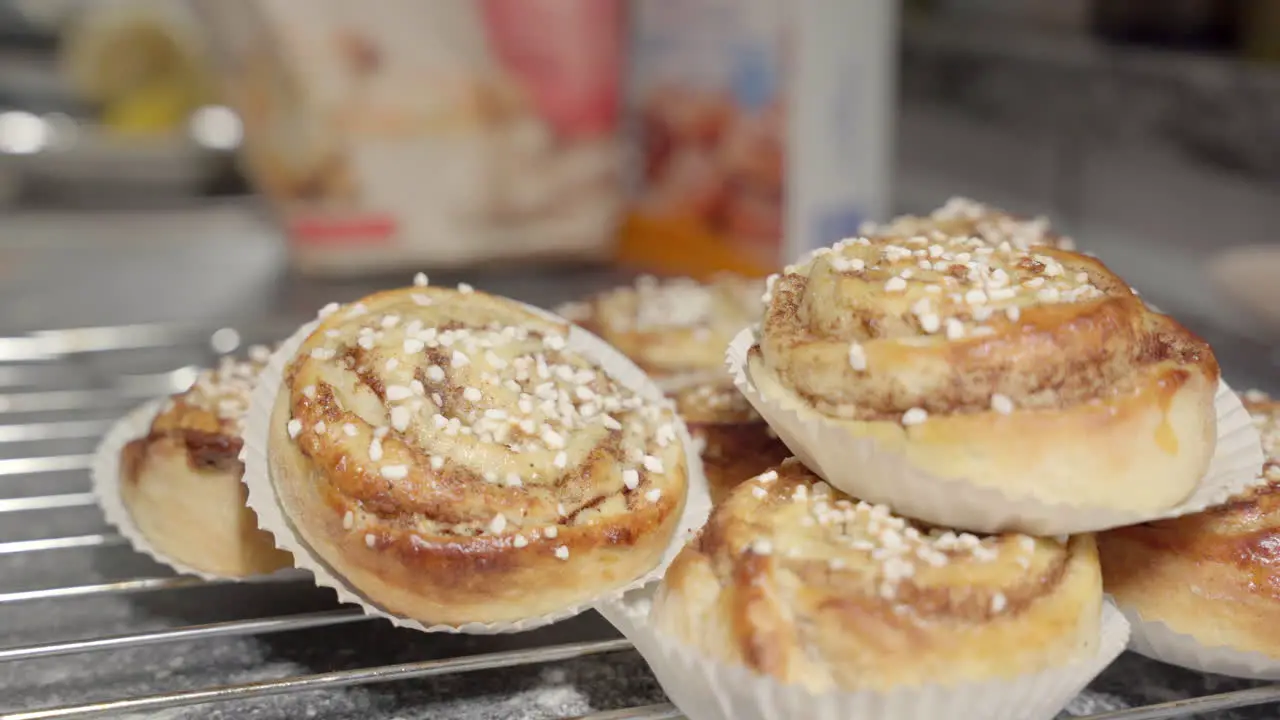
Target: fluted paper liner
271 517
1158 641
105 477
705 689
859 467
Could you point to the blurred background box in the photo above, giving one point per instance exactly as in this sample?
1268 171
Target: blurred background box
1189 24
1055 14
1259 24
763 128
104 103
394 133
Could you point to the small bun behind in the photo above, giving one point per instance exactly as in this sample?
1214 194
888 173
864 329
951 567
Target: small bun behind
676 329
735 442
1211 575
181 483
192 511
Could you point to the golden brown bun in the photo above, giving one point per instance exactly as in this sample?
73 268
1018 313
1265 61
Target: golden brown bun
181 483
791 579
675 330
1211 575
962 216
734 441
446 454
1033 371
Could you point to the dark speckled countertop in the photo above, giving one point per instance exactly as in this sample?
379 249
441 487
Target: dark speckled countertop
169 271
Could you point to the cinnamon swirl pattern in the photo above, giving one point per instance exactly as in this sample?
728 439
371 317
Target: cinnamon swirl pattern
796 581
452 459
733 440
1210 575
180 482
676 330
1036 371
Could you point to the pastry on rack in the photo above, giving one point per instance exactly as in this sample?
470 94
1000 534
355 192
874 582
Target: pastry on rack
448 455
676 330
794 580
1036 371
181 483
734 441
962 216
1210 575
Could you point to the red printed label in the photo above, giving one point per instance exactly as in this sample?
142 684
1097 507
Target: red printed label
568 55
337 231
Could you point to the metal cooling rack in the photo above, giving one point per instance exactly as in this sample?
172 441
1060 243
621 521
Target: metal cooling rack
117 641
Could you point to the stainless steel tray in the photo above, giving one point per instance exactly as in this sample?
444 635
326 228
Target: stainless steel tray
91 629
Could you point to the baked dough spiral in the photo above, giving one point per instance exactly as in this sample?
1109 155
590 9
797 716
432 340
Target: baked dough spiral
962 216
448 455
792 579
677 329
733 440
1037 371
1211 575
181 482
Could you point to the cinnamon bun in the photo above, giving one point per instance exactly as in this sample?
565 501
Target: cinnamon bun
962 216
452 459
734 441
794 580
676 330
181 483
1211 575
1035 371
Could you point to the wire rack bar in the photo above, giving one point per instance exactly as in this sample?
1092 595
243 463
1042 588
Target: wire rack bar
112 588
46 502
60 543
234 628
663 711
35 382
140 585
50 464
72 341
24 349
47 344
328 681
1196 706
103 339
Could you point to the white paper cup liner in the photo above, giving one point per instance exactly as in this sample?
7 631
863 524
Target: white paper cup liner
858 467
704 689
105 477
1158 641
271 517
